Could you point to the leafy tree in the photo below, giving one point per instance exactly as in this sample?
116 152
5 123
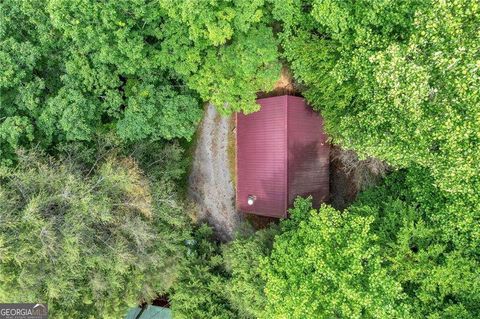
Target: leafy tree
222 280
89 243
394 79
429 247
401 250
397 80
226 50
73 70
328 264
76 73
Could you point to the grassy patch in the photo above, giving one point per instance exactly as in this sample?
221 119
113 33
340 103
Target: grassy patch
232 149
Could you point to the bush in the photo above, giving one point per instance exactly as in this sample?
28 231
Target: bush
242 260
403 249
429 242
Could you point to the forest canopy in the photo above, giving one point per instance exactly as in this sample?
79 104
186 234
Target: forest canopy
99 105
397 80
71 70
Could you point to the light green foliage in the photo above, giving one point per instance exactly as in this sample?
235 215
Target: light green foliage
92 233
327 264
90 243
399 251
399 80
431 249
396 80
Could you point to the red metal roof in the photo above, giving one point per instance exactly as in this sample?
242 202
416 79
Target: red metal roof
281 153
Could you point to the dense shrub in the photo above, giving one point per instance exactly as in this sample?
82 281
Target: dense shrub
88 244
429 247
242 260
103 226
222 280
401 250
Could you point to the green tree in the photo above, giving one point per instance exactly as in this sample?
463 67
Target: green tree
72 70
397 80
403 249
328 264
225 49
199 291
394 79
89 243
429 242
242 260
69 74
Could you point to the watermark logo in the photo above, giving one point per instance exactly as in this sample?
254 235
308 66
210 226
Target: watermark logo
23 311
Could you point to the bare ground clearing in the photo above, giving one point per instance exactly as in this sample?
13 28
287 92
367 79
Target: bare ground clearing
210 182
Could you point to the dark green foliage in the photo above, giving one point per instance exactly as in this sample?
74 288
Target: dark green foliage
72 70
103 84
222 281
199 291
89 243
242 259
71 75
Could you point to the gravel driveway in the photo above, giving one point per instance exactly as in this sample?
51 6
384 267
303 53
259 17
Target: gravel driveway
210 181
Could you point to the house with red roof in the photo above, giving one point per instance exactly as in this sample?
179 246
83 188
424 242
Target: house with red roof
281 153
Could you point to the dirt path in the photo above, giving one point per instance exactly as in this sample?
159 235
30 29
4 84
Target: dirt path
210 182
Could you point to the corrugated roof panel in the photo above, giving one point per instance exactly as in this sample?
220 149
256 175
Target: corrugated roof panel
308 153
261 158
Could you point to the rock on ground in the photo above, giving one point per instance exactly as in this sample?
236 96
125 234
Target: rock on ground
210 181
